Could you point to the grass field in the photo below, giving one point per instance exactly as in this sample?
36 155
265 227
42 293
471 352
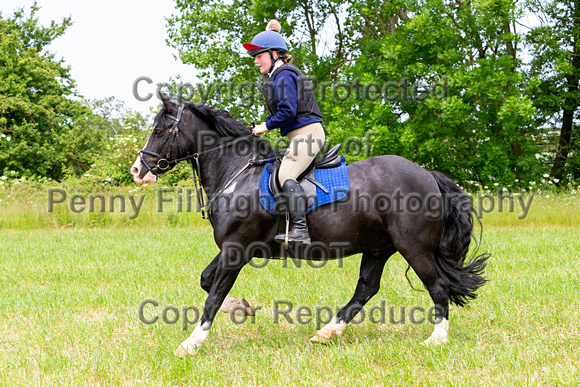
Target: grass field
69 304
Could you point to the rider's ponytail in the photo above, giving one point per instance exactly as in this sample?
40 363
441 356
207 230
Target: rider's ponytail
285 57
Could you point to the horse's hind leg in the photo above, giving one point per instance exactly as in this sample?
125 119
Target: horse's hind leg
424 265
368 285
238 306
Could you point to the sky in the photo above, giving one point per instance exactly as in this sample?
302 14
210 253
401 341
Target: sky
111 44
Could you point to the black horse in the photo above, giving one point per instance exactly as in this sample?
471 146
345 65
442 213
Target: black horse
393 205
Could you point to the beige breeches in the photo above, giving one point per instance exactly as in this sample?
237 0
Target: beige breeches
305 142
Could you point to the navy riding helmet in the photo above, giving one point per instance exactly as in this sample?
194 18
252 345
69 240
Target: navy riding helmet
266 41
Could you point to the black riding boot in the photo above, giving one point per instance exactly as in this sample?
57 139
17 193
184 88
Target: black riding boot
296 203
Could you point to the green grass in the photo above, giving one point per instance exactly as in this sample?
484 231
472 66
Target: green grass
25 206
69 301
46 206
546 209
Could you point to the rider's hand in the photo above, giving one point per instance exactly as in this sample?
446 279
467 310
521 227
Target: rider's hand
259 129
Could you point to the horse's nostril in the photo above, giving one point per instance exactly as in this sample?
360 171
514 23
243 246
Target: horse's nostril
134 171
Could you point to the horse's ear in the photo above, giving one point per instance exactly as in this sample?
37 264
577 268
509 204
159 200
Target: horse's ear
169 105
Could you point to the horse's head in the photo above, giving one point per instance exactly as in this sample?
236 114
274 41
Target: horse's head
181 133
166 145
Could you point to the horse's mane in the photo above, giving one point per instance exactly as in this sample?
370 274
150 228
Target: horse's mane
219 120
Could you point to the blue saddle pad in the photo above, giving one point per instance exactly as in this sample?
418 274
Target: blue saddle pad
335 180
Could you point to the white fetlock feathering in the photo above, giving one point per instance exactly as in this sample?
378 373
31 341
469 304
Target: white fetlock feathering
439 335
194 341
330 330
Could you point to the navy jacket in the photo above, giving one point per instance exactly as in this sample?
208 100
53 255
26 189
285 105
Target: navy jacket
285 91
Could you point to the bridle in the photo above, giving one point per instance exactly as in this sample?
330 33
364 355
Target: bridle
163 164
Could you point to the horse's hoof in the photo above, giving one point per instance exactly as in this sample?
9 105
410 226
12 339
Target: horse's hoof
320 340
186 349
239 307
435 341
247 308
181 352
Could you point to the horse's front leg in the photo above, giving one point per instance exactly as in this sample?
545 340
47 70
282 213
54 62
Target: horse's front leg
237 306
228 266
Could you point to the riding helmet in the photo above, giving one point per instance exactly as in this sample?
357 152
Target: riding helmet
268 40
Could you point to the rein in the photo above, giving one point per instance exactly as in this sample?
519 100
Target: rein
200 200
197 171
164 163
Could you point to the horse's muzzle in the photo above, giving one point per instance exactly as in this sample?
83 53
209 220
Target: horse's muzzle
136 172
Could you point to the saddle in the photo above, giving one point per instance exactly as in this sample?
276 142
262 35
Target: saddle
307 180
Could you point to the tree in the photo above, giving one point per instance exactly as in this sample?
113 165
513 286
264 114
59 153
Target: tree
209 35
112 117
453 91
442 84
555 72
126 132
44 132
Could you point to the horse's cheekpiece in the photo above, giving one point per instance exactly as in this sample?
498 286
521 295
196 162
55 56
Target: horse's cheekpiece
324 181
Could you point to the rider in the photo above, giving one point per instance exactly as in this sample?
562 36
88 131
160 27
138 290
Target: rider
293 108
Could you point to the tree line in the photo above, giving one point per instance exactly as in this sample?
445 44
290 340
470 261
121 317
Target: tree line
485 92
510 69
48 131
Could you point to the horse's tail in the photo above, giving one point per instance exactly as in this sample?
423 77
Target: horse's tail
464 276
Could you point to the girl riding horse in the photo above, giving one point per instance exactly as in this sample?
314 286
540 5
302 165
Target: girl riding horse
293 108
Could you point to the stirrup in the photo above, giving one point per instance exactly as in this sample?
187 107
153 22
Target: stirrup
283 238
293 237
286 238
297 240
